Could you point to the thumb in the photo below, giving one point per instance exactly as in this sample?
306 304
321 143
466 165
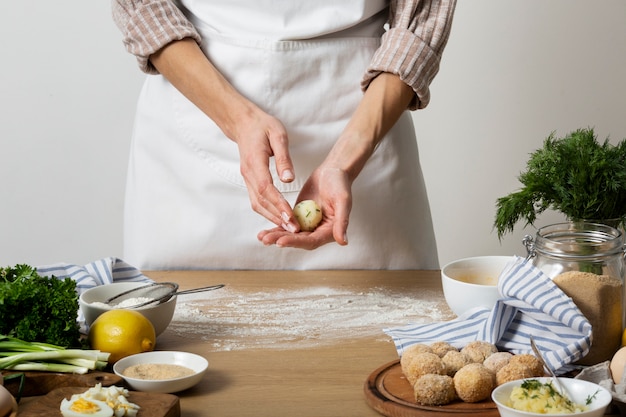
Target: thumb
340 226
282 158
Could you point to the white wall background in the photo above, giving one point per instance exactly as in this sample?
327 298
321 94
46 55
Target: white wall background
513 72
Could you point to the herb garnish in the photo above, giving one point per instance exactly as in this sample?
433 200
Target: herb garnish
590 398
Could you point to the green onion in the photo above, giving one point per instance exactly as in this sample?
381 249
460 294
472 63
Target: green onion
19 355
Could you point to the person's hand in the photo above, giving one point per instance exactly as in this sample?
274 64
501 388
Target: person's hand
257 134
258 138
330 185
331 188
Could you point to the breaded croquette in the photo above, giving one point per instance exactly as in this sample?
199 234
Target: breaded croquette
496 361
409 352
479 350
432 389
441 348
455 360
474 383
422 364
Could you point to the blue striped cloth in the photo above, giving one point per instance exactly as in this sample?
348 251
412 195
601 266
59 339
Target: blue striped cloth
101 272
530 304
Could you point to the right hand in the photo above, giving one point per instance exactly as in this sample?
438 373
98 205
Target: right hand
260 136
257 134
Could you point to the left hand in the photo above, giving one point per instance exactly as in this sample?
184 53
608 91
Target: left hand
330 185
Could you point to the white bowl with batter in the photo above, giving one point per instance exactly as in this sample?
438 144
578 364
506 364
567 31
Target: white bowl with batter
162 371
472 282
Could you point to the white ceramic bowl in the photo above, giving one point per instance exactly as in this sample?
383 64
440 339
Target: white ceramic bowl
472 282
188 360
578 389
160 315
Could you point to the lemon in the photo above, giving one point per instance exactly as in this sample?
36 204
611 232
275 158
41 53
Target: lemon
122 333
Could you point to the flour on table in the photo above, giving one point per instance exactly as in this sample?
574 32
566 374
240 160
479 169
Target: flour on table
233 320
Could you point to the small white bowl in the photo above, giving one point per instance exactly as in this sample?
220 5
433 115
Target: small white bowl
472 282
160 315
578 390
189 360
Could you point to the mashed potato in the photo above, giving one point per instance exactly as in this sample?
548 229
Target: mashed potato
537 397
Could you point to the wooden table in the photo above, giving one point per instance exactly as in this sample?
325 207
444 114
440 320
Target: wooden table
316 378
262 369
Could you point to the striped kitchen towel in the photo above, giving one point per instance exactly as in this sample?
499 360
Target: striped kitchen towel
530 304
100 272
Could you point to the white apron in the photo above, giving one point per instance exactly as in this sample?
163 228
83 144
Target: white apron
186 203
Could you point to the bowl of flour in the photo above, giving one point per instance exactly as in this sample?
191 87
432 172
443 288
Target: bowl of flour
92 304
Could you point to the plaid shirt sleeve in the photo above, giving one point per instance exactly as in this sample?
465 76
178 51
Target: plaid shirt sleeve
149 25
413 44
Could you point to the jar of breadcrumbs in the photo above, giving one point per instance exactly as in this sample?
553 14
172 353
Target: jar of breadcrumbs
586 261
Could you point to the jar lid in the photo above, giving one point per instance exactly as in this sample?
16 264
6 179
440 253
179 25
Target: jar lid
576 240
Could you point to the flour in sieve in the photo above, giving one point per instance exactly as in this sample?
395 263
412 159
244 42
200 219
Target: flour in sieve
310 317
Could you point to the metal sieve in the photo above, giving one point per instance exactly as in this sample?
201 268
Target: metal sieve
156 293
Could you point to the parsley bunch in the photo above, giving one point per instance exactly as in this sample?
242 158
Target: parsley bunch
38 309
575 175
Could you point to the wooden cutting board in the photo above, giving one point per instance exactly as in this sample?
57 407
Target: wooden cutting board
388 392
152 404
41 383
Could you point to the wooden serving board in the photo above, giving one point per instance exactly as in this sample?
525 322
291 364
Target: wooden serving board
41 383
388 392
152 404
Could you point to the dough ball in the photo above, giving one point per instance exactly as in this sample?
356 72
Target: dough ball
496 361
411 351
309 215
441 348
531 362
474 383
422 364
455 360
479 350
434 389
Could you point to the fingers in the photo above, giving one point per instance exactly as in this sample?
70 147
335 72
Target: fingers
326 232
255 149
266 200
329 186
302 240
331 189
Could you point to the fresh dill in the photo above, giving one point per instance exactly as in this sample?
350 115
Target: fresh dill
576 175
590 398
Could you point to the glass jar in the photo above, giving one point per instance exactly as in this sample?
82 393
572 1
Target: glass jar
586 260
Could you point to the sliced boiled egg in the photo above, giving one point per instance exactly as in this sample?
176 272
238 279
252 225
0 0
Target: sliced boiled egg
79 406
